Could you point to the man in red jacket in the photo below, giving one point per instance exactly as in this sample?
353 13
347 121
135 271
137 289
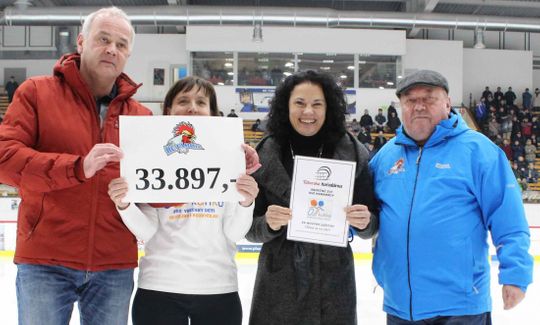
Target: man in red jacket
59 147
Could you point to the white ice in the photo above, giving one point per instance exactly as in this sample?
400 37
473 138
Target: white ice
369 298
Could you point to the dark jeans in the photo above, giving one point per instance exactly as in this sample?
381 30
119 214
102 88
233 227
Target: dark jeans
46 294
481 319
163 308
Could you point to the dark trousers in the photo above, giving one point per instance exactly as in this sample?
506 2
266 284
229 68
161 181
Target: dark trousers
164 308
481 319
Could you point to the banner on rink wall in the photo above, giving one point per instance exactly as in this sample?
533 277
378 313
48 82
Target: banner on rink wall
254 100
350 96
257 100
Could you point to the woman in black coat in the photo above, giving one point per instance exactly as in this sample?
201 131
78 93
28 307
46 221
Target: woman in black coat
297 282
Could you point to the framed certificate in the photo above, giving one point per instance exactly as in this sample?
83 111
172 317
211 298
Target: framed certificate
181 158
321 189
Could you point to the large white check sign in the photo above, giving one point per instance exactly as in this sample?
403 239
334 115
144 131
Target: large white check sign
181 158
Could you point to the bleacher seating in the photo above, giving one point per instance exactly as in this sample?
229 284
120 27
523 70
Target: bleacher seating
251 137
3 104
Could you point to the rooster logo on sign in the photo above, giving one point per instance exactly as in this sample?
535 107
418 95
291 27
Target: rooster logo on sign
183 139
186 131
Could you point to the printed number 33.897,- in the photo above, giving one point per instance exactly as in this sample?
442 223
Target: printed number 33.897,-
184 179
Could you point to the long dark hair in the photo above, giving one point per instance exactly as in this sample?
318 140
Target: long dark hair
333 128
185 85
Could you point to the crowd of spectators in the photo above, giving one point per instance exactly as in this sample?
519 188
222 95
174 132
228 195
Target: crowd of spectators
516 129
380 125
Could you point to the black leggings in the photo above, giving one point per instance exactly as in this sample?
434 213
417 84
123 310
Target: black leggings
164 308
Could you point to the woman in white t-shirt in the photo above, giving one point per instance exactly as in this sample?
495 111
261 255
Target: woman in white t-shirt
188 274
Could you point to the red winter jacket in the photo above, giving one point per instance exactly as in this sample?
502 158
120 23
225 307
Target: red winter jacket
64 218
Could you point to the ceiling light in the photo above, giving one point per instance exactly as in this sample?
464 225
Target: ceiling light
228 65
289 64
351 67
328 61
389 83
257 33
343 76
230 73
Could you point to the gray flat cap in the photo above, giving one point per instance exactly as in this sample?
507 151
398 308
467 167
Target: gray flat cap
422 77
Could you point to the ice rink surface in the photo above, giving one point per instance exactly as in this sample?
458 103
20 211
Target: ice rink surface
369 296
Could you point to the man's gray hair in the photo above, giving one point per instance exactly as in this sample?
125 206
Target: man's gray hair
110 12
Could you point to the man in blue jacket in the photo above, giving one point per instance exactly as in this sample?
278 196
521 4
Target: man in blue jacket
442 187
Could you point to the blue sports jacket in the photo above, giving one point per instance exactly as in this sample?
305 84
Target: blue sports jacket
437 204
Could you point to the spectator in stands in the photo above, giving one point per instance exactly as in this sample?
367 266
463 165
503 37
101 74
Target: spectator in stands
536 128
380 121
255 126
526 114
366 121
522 163
481 112
221 113
303 283
393 123
507 148
364 136
72 245
517 150
523 183
185 273
391 109
431 254
516 126
530 151
527 99
526 128
498 96
493 128
355 126
10 87
532 174
379 140
232 113
510 97
517 172
371 149
498 140
505 121
487 94
536 100
519 137
1 119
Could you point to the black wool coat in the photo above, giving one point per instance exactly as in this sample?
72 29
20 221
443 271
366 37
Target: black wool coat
302 283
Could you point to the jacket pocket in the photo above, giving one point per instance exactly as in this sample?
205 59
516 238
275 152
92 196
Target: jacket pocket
467 262
30 216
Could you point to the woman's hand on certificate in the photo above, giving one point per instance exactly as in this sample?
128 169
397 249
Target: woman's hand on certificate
252 159
118 188
248 188
277 216
358 216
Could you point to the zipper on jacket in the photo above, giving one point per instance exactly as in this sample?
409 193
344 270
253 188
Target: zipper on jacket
409 230
95 198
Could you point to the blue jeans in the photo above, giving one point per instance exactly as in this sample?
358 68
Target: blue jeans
46 294
481 319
